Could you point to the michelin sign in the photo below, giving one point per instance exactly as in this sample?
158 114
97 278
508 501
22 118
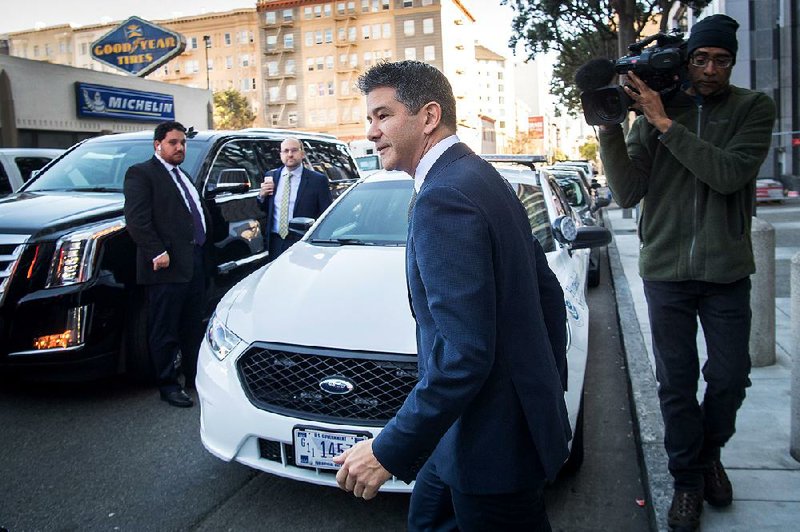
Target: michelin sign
99 101
137 47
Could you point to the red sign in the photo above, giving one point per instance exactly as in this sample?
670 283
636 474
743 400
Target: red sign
795 141
536 127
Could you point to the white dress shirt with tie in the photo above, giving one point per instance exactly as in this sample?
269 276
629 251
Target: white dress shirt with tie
281 190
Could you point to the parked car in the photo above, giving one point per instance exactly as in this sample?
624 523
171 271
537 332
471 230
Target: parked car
69 304
317 350
17 165
768 189
369 164
587 206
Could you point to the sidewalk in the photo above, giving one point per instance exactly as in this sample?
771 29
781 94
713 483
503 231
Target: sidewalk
766 479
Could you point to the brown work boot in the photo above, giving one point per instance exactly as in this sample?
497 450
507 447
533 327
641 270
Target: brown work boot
718 490
684 514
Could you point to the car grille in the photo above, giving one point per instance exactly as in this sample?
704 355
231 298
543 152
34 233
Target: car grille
11 247
286 380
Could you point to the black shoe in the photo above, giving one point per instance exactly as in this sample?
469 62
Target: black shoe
684 514
177 398
718 490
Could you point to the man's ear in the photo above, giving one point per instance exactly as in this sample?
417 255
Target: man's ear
433 116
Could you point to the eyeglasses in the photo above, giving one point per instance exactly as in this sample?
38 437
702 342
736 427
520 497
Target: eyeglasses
720 61
290 150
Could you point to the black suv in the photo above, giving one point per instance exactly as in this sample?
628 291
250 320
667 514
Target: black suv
70 308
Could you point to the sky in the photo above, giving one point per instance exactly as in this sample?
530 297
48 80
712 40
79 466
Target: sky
493 19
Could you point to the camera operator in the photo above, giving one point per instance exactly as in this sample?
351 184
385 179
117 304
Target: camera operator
693 167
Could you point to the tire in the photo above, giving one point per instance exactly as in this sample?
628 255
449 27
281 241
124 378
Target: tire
138 364
575 460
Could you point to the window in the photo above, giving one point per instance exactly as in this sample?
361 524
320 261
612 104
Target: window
327 10
229 61
387 31
351 34
342 59
367 59
501 100
328 35
274 94
427 26
244 60
307 12
321 89
245 37
318 37
312 90
376 6
499 75
351 6
310 64
238 154
272 68
227 39
291 92
309 38
272 42
427 2
269 17
210 64
429 53
354 60
329 62
340 8
408 28
244 85
365 6
385 5
274 120
344 88
288 15
411 54
193 42
288 41
253 83
331 89
365 32
320 63
408 3
292 118
376 31
317 11
289 67
342 34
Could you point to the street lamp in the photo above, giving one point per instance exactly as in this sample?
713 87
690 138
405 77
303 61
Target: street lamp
207 41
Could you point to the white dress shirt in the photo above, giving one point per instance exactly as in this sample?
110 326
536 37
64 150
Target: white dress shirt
281 190
427 161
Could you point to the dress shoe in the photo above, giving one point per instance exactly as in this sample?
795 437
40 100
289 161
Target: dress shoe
684 514
718 490
177 398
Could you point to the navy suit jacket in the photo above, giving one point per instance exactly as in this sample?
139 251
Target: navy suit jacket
157 219
491 336
313 197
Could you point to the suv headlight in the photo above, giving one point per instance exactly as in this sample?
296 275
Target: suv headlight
74 259
220 339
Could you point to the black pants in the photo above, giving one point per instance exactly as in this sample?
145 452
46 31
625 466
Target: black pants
436 507
175 324
278 245
694 433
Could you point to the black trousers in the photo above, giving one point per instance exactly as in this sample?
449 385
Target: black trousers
436 507
175 324
695 432
278 245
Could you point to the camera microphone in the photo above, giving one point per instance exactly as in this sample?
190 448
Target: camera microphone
594 74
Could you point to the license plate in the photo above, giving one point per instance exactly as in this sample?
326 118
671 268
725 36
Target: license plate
316 448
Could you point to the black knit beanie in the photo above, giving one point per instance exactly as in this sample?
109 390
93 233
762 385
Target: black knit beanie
718 31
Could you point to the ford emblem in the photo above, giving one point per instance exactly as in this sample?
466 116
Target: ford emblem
336 385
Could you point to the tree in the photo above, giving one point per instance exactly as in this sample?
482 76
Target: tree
581 30
589 149
232 110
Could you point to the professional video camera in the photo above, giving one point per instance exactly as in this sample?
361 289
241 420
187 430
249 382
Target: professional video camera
659 66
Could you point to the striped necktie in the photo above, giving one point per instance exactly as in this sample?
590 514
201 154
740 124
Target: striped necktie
283 219
199 231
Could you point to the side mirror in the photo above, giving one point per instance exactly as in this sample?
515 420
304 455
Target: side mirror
600 202
300 225
232 181
564 229
591 237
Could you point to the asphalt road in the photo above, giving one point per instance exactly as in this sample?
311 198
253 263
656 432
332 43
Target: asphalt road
111 456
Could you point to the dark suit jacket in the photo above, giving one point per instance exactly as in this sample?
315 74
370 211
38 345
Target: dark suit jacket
491 336
158 220
313 197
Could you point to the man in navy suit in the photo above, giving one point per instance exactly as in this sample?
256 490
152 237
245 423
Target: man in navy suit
486 425
291 191
167 220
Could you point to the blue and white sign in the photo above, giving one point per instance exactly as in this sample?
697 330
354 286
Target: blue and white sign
99 101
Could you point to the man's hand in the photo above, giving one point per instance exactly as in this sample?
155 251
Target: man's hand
160 262
267 188
361 472
649 102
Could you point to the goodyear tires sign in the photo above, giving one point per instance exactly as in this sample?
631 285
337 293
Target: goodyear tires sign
137 47
99 101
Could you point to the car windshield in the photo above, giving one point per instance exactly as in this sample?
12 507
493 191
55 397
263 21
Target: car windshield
573 192
368 162
101 166
372 213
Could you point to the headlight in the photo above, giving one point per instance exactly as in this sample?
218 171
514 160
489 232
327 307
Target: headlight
74 259
220 339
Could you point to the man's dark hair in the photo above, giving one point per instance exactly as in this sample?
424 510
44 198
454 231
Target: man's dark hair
416 84
165 127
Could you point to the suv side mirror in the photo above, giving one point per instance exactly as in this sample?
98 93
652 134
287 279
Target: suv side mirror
231 180
300 225
600 202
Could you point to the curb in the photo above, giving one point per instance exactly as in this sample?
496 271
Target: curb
647 419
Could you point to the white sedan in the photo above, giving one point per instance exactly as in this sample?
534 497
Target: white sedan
317 350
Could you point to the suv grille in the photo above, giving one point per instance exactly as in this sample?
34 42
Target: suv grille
11 247
286 380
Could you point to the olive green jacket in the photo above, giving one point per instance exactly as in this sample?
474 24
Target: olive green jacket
695 182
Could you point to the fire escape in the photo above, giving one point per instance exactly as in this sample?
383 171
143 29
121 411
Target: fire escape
279 52
346 72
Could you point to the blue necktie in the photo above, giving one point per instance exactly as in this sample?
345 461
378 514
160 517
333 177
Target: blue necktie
199 232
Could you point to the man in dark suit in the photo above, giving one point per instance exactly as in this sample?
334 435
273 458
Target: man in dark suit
486 424
291 191
167 220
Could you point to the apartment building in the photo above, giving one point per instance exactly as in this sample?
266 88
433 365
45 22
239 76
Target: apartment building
495 93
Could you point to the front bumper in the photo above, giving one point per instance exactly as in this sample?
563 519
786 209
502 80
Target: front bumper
231 428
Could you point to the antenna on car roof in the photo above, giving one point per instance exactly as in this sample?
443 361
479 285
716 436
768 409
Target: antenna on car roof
191 132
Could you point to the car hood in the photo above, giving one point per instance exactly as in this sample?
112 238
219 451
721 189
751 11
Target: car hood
34 212
344 297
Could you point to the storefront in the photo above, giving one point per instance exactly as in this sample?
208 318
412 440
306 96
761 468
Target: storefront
43 105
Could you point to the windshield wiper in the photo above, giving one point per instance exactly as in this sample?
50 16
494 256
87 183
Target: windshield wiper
341 242
96 189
